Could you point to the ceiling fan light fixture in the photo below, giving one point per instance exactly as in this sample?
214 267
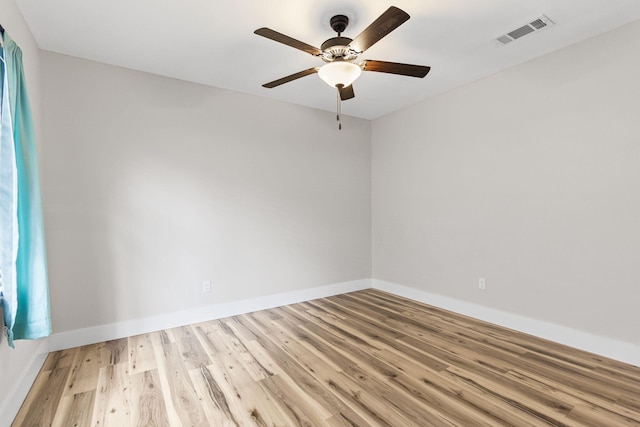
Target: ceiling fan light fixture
339 73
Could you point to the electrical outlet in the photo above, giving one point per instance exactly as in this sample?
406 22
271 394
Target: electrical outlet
206 287
482 283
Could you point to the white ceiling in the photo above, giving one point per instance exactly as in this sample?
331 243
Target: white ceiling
212 41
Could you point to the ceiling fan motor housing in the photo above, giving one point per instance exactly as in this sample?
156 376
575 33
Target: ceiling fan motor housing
337 49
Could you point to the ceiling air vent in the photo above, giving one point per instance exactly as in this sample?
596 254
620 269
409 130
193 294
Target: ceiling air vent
533 26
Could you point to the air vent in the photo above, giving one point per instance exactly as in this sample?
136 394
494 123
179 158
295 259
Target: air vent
533 26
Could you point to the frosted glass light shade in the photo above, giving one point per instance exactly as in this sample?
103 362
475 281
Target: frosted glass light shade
339 73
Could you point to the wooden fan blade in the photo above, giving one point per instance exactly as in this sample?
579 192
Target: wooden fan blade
395 68
292 77
289 41
387 22
347 93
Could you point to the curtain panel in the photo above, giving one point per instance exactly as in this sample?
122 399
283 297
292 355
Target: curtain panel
23 261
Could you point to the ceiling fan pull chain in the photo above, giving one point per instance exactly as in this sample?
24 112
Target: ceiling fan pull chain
338 108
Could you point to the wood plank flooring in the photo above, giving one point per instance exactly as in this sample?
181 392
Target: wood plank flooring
366 358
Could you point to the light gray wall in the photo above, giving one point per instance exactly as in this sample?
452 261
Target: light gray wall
153 185
529 178
13 362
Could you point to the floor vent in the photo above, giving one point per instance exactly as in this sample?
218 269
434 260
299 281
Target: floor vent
533 26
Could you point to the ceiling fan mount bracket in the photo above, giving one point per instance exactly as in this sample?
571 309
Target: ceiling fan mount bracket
339 23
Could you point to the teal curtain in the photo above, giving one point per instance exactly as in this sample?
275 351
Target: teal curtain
24 262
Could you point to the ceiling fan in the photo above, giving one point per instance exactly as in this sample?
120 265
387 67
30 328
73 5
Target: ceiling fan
341 53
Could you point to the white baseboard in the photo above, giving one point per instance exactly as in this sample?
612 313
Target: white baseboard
79 337
614 349
15 395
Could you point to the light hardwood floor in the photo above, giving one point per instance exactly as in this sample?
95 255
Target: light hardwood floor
366 358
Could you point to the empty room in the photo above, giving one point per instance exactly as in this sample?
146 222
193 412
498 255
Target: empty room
323 213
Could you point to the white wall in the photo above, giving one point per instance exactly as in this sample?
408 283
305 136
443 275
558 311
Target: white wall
15 363
529 178
152 185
